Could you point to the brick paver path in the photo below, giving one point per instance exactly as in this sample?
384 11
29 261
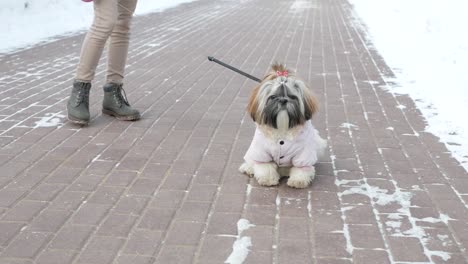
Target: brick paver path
166 189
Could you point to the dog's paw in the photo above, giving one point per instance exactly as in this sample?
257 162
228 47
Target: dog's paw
301 177
266 174
246 169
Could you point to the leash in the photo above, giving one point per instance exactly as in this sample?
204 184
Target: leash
234 69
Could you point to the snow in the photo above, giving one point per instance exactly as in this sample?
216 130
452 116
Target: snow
27 22
348 125
50 120
423 41
241 246
300 5
400 198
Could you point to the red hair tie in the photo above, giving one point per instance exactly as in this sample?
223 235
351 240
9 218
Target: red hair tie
282 73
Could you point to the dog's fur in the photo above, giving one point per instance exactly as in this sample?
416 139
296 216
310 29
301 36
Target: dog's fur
281 106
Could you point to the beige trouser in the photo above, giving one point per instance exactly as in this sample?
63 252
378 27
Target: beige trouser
111 21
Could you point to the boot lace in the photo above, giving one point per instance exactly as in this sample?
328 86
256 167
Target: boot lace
81 96
120 95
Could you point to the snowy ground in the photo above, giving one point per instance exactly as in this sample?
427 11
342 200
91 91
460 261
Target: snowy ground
424 41
27 22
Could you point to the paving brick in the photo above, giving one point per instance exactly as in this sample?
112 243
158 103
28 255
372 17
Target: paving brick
95 257
293 228
230 203
168 199
259 257
144 186
51 256
202 192
117 225
132 205
106 195
71 237
361 214
24 211
185 233
262 196
223 223
331 245
325 201
99 167
8 232
294 251
68 201
262 237
87 183
26 245
294 207
135 259
90 214
9 196
120 178
105 243
45 192
334 260
363 256
157 219
176 254
143 242
193 211
223 246
261 215
177 182
50 220
366 236
406 249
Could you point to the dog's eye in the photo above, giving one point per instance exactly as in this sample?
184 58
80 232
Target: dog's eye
293 97
272 97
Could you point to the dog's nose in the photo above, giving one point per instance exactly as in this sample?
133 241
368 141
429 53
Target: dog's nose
283 101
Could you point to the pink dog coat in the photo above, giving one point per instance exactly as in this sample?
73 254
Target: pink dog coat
299 152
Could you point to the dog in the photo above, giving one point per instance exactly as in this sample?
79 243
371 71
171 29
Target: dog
285 141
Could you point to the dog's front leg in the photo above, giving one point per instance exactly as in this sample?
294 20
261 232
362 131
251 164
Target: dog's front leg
266 174
301 177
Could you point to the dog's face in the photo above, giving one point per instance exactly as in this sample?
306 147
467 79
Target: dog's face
281 95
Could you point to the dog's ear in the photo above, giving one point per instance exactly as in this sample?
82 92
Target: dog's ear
310 102
252 106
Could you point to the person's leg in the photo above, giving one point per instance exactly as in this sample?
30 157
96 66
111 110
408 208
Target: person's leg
115 101
119 41
105 17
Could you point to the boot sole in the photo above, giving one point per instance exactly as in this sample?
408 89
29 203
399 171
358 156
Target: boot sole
121 117
78 121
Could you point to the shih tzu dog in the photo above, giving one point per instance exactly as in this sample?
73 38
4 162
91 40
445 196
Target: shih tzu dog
285 141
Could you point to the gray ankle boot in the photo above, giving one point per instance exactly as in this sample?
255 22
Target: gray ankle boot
115 103
78 104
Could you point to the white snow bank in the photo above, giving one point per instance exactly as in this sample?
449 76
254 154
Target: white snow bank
424 42
26 22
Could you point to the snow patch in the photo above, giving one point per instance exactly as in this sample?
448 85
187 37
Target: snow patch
299 5
348 125
401 198
241 246
50 120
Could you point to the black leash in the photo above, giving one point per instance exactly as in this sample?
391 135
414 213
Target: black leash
234 69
